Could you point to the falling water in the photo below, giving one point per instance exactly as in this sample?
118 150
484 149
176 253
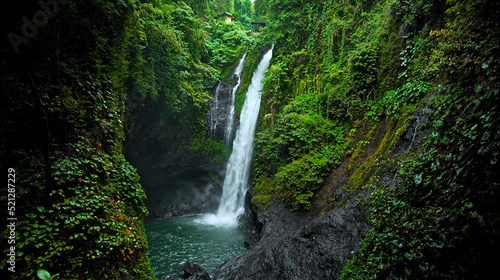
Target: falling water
213 119
230 117
238 166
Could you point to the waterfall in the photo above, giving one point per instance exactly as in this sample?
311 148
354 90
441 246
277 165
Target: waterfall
232 110
238 166
213 119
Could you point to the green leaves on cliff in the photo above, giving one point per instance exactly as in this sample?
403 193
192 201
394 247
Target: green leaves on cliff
401 101
178 58
440 222
324 73
98 201
94 72
379 61
298 153
227 44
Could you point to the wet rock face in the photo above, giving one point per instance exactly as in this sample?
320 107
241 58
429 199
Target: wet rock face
176 182
297 249
219 107
180 184
194 271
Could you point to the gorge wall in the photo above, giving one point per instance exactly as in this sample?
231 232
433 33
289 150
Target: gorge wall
176 180
81 82
374 151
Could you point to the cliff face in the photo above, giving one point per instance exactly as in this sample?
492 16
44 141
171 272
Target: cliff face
177 180
62 105
375 136
319 243
219 108
78 78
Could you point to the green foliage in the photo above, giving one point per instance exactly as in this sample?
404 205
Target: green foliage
363 68
98 71
414 13
228 43
381 60
314 90
210 147
251 63
185 59
444 205
299 153
396 103
97 200
45 275
298 180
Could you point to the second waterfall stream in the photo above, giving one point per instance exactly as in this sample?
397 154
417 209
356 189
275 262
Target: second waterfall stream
238 166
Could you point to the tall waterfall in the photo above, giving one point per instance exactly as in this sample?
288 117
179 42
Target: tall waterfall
232 110
238 166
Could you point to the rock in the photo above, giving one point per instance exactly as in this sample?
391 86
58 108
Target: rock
180 183
194 271
170 278
299 248
249 223
219 106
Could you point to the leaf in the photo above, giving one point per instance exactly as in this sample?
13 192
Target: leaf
418 178
407 271
43 274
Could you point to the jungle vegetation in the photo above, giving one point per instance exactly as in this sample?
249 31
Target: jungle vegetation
340 70
90 75
78 78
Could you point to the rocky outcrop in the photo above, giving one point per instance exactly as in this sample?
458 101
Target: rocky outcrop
170 278
180 183
296 247
216 118
194 271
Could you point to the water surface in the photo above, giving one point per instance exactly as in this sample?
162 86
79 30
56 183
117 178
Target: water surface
174 241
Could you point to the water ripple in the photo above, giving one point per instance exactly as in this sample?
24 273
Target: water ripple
174 241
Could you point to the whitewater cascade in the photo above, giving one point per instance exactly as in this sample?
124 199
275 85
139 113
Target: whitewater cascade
238 166
213 119
232 110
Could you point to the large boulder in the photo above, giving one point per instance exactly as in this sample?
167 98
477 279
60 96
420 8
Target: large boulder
194 271
170 278
316 249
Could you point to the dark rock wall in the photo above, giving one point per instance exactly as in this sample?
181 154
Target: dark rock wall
179 184
216 118
298 247
176 181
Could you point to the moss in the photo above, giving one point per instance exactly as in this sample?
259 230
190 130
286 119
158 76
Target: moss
249 67
361 146
262 201
368 166
230 67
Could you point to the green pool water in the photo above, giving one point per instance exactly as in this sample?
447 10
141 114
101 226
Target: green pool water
174 241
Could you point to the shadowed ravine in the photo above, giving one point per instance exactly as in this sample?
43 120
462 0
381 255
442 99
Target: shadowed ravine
211 239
